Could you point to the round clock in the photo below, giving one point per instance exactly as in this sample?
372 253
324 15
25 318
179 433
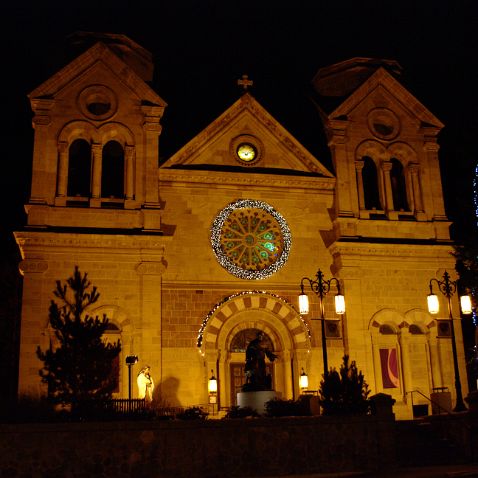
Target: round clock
246 152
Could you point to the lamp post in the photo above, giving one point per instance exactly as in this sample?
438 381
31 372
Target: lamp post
321 288
448 287
212 391
130 361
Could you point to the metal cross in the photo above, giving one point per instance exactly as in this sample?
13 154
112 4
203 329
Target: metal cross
245 82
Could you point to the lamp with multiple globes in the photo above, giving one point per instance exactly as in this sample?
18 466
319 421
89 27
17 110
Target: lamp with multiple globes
448 287
321 288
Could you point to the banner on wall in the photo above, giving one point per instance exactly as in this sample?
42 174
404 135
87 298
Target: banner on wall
389 363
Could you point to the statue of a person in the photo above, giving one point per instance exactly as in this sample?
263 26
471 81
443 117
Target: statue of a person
145 384
256 377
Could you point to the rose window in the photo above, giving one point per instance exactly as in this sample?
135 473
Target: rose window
250 239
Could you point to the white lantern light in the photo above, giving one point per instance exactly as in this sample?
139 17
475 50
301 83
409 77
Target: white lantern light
339 304
303 304
212 384
465 302
303 381
433 305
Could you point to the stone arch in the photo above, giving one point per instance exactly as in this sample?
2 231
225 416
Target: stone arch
288 318
117 132
119 318
264 311
372 149
403 152
78 130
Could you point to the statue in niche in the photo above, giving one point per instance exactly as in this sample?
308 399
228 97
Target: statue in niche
257 379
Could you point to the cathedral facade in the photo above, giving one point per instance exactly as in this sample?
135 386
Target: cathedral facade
194 257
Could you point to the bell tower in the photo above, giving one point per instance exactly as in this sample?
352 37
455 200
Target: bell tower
97 126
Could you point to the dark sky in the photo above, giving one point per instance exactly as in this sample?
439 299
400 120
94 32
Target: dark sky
202 47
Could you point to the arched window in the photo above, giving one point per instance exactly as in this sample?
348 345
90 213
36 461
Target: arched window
399 190
370 184
112 171
79 169
111 335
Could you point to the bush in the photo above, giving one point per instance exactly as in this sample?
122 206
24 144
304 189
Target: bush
288 408
344 392
241 412
192 413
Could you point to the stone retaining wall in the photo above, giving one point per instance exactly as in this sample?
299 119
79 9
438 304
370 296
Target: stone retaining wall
212 448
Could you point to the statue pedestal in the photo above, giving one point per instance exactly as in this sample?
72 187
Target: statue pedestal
256 400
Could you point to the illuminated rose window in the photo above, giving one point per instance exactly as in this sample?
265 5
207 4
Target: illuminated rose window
250 239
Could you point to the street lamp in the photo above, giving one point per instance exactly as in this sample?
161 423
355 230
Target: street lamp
321 288
448 287
130 361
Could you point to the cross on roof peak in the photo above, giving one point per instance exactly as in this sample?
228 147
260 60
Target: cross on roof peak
245 82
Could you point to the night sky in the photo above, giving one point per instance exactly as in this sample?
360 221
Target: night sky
201 48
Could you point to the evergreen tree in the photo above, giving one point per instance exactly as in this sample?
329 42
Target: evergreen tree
77 368
344 392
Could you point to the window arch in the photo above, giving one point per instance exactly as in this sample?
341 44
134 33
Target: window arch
79 169
399 189
112 175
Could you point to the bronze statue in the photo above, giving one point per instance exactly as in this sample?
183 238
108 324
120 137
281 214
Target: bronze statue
256 377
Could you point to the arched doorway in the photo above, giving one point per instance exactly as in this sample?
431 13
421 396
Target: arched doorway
231 321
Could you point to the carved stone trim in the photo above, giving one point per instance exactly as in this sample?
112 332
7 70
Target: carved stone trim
210 177
151 268
31 266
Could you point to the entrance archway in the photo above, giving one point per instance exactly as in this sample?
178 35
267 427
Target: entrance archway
269 313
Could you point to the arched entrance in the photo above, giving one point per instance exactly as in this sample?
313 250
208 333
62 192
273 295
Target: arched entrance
221 330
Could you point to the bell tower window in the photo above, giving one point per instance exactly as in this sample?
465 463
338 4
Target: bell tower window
112 177
370 184
79 169
399 190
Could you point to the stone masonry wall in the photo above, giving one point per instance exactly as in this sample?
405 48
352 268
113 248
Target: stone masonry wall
201 449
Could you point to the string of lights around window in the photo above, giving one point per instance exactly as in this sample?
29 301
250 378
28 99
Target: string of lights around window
250 239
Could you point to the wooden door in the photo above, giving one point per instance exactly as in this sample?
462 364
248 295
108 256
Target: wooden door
238 379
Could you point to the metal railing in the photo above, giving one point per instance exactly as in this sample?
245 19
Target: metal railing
433 402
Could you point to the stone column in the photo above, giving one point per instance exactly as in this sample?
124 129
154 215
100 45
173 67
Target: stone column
152 130
150 320
43 167
386 168
417 193
129 158
359 164
96 151
62 176
34 329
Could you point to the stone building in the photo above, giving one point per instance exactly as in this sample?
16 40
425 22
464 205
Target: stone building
195 256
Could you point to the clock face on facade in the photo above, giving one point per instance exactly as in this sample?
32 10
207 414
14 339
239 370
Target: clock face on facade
250 239
246 152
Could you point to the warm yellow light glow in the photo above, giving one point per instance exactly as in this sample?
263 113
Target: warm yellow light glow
212 384
303 381
433 305
303 304
339 304
465 302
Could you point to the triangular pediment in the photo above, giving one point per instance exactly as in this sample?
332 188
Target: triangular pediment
381 79
97 57
246 121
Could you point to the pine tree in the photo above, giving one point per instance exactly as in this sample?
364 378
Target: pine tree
77 368
344 392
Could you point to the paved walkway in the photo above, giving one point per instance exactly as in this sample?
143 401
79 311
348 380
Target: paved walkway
442 471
